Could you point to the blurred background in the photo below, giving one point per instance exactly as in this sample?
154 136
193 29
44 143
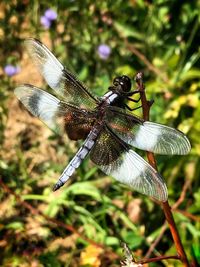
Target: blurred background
84 222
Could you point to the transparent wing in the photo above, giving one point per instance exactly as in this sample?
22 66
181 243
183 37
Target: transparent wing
115 158
59 78
146 135
56 114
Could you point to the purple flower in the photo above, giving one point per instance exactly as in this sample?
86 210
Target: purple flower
50 14
104 51
11 70
45 22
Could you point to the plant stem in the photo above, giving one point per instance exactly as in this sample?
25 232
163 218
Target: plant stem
146 61
146 105
159 258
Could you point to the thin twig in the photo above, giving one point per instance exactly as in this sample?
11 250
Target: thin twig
174 208
183 193
159 258
130 259
151 158
188 215
143 58
156 241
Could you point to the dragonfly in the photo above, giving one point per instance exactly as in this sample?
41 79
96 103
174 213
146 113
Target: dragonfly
106 124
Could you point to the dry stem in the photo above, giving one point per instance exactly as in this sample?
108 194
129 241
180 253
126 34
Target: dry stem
151 158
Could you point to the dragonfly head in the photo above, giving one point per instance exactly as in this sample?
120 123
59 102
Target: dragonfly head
123 82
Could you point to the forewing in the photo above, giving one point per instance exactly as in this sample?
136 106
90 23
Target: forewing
115 158
56 114
147 135
59 78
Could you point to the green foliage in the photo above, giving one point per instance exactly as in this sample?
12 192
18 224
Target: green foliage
161 38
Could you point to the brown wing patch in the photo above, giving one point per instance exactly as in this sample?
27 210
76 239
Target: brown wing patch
78 127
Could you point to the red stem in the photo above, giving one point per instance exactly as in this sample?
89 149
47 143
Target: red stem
159 258
151 158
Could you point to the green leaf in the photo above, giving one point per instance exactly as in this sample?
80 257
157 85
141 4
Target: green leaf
85 188
90 173
133 239
196 252
190 75
15 225
127 31
194 231
126 70
111 241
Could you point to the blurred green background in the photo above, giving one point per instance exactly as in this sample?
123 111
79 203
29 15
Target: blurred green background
42 228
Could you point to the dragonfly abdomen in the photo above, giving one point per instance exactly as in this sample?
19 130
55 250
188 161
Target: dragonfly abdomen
78 158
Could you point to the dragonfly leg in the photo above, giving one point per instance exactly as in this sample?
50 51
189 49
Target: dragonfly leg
151 102
134 100
133 93
132 109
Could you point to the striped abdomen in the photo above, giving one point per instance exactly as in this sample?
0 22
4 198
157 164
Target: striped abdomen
77 159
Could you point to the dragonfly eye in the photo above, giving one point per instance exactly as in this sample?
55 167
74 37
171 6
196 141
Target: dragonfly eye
125 82
116 81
